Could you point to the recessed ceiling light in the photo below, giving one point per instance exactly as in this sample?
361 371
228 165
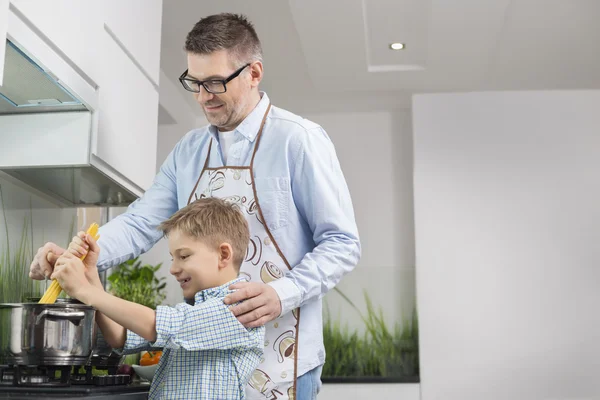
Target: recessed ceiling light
397 46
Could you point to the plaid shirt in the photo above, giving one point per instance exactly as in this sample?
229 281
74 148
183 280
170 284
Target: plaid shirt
207 353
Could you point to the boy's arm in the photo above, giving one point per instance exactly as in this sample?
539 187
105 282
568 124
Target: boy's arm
85 245
114 334
207 326
118 315
70 273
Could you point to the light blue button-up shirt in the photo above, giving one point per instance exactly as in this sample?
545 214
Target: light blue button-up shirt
303 196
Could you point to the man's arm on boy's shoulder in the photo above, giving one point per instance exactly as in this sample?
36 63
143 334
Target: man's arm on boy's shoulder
135 317
206 326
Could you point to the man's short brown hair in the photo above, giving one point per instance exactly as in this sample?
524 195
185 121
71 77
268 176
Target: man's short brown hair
213 221
226 31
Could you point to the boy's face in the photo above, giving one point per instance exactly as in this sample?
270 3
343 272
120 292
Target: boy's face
195 265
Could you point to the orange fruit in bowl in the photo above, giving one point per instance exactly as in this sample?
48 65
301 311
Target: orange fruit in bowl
150 358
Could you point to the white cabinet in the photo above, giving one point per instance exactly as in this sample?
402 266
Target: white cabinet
115 47
3 27
136 24
73 27
128 119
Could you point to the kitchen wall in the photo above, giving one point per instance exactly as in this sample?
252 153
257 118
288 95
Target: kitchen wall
375 152
507 226
49 222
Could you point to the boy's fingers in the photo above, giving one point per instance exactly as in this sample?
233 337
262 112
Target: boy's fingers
80 240
77 250
57 271
93 244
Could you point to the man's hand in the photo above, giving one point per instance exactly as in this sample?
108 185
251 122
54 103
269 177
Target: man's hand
70 273
260 303
42 265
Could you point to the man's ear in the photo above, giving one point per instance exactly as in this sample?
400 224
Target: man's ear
256 73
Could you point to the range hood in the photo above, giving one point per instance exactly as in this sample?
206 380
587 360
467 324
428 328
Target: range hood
48 128
27 88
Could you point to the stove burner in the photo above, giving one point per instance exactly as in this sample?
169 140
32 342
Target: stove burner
47 376
34 379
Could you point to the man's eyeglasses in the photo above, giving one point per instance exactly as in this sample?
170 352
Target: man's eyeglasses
214 86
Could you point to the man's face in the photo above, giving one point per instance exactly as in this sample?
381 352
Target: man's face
224 110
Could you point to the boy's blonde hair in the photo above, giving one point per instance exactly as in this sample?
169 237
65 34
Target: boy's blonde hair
213 221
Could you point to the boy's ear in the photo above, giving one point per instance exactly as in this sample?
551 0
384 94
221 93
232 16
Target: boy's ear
225 255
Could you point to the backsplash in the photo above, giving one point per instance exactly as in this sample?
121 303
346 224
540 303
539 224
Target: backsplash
26 223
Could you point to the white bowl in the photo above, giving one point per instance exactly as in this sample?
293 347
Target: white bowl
145 372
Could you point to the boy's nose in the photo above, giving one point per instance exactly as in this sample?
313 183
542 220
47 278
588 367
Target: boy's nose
174 270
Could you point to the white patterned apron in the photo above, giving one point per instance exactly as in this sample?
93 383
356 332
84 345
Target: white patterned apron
275 377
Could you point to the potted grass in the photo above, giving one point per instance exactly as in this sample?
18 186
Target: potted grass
15 284
383 354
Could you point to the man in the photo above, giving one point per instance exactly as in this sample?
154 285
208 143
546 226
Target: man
283 172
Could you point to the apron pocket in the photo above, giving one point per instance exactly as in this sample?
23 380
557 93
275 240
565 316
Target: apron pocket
273 196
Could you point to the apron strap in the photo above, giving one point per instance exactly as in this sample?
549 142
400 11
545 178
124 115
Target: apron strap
207 155
258 136
201 172
260 130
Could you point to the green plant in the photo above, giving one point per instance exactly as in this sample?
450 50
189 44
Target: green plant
15 284
138 283
379 352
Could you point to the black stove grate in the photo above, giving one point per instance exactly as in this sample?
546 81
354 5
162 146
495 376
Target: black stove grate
59 376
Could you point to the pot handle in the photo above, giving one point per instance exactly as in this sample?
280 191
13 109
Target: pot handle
74 317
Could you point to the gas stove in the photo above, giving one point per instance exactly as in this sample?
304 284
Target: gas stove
67 382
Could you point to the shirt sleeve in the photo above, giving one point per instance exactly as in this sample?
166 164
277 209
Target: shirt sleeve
135 232
322 197
134 344
207 326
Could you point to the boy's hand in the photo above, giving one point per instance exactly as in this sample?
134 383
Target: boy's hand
84 245
70 273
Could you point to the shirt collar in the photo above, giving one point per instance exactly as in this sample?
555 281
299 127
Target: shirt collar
216 292
251 124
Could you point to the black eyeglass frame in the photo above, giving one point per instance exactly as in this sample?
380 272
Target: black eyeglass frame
224 82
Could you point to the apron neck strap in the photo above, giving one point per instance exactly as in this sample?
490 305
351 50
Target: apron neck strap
207 156
259 135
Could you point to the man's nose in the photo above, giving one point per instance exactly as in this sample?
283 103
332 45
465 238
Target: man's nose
204 95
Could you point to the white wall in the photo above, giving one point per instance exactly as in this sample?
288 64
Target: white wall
507 208
375 152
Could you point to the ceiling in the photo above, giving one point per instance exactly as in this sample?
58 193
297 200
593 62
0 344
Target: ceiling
333 55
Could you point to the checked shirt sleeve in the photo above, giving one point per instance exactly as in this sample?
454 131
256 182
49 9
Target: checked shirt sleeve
134 344
207 326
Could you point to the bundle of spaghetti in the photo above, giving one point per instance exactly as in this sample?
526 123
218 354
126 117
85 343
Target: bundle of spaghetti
54 290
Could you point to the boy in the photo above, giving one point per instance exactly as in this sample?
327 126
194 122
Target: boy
208 353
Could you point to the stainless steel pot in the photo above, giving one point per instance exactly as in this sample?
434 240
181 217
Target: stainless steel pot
46 334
